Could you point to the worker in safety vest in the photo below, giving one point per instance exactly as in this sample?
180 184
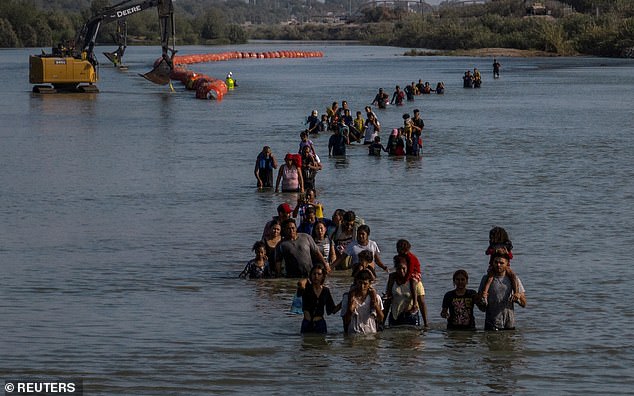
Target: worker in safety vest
231 83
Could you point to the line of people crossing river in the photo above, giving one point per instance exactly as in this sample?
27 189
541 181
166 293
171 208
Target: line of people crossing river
301 242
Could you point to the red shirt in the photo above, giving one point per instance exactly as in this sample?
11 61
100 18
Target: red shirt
413 267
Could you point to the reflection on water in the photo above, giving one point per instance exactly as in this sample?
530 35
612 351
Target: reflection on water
129 213
503 363
54 106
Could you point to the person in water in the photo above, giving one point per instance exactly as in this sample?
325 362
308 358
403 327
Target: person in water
323 241
363 306
458 304
316 301
409 91
310 167
366 262
312 122
420 86
333 115
398 96
347 120
304 141
496 68
499 304
308 221
395 143
376 147
284 212
372 128
323 125
402 302
297 251
290 175
271 239
306 200
359 124
403 248
344 235
477 78
467 79
230 81
337 143
265 163
257 268
499 238
381 99
362 243
440 88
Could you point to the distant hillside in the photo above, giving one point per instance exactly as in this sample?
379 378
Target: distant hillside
566 27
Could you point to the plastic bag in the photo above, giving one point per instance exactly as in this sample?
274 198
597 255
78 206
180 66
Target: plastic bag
296 305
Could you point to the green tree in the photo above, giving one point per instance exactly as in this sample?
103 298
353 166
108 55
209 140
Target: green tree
213 24
44 33
236 34
8 37
28 36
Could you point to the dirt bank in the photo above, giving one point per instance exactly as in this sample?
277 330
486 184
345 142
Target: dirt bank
500 52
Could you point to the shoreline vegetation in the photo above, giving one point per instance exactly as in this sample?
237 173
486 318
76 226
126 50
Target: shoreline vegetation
484 52
496 28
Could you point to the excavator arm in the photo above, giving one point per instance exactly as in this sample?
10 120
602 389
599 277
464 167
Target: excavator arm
70 66
160 73
87 35
121 38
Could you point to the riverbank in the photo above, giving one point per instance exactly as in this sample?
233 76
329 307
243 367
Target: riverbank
484 52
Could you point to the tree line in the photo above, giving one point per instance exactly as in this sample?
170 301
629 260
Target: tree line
593 27
25 24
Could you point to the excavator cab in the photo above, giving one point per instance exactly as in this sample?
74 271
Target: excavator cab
63 73
67 70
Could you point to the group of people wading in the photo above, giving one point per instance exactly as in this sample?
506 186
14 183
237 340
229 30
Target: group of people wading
474 80
318 247
300 242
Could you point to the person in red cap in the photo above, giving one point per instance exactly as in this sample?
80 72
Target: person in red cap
284 212
290 175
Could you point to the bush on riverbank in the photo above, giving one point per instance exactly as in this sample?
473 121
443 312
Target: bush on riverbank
606 31
607 35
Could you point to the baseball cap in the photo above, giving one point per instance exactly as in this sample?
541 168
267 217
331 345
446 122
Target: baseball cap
286 208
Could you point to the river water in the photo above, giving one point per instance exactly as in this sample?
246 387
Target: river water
127 215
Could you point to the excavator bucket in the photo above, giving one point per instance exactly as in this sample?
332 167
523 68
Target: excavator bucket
113 57
160 74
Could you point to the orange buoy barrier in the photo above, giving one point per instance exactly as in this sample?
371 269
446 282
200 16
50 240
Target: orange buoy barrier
223 56
205 87
212 88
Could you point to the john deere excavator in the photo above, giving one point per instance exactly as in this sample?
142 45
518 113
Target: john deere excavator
74 67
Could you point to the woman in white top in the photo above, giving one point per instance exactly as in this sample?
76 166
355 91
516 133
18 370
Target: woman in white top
363 306
399 297
363 242
325 245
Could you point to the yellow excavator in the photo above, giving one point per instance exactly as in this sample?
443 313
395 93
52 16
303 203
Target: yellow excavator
74 67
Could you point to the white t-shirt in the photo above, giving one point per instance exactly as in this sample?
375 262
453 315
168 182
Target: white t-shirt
353 250
370 132
363 320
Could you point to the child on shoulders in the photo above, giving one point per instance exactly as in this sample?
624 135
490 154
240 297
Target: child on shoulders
499 240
